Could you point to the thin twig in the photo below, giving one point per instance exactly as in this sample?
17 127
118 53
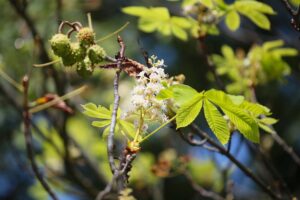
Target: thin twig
28 140
110 138
289 150
295 14
203 192
246 171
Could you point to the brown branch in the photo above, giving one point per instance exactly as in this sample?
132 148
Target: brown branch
295 15
28 140
243 168
289 150
203 192
122 170
110 138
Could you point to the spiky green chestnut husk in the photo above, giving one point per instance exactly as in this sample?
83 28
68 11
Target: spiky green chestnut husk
78 51
60 44
85 68
68 60
96 54
86 36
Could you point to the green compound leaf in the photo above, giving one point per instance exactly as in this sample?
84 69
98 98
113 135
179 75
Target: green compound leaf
188 112
216 122
232 20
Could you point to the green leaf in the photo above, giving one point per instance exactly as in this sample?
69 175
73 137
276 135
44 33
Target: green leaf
272 44
181 22
254 5
180 92
216 122
268 120
101 124
232 20
207 3
255 109
106 131
243 122
127 127
258 18
188 112
138 11
219 97
91 110
147 25
183 93
165 94
266 128
179 32
236 99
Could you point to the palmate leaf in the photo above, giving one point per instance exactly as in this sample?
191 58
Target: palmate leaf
188 112
216 122
91 110
102 113
159 19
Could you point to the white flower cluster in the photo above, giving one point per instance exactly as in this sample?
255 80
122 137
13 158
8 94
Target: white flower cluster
143 97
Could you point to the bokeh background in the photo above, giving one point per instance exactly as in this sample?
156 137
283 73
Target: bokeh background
18 52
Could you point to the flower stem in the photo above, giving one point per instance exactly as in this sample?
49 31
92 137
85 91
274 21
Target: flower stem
160 127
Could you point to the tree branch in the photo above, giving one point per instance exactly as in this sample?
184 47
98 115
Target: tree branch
28 140
295 14
246 171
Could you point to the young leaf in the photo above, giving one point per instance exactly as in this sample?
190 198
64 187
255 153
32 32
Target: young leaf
216 122
243 122
183 93
258 18
101 124
91 110
138 11
255 109
254 5
268 120
232 20
180 92
266 128
127 127
179 32
188 112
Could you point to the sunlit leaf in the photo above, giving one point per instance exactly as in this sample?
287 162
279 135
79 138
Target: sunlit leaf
232 20
188 112
216 122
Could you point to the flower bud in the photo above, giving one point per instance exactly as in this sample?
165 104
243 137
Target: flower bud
86 36
60 45
96 54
